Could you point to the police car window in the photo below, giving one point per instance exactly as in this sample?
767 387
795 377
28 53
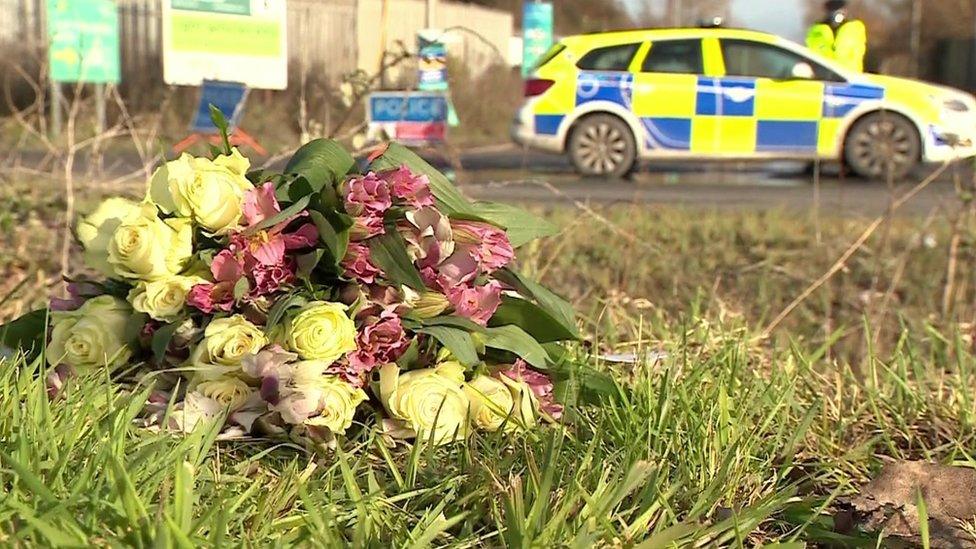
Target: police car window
676 56
610 58
745 58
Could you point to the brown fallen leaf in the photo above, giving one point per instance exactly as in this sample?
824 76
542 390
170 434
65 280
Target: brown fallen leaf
889 504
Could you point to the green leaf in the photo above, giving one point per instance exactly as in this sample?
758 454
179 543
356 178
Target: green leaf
513 339
241 288
278 310
556 306
449 199
522 227
456 340
306 263
320 162
280 217
220 121
454 321
26 333
161 339
333 232
578 384
389 253
536 321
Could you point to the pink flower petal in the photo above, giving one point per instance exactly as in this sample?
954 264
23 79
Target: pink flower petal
305 236
260 204
271 252
226 267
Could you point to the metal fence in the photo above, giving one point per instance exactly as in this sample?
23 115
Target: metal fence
330 37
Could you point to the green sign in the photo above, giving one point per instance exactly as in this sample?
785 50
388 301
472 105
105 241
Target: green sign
231 7
83 41
200 33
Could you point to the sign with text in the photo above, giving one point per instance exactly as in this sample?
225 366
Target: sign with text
536 33
414 118
229 40
84 41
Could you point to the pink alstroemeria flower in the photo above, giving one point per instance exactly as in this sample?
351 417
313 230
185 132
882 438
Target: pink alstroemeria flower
381 341
487 244
476 303
539 383
407 186
358 265
258 255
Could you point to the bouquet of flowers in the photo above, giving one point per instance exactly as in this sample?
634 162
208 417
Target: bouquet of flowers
297 302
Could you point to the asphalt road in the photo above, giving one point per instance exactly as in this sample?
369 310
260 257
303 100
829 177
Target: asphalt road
510 174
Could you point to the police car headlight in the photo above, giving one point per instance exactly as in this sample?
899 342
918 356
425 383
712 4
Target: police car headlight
954 106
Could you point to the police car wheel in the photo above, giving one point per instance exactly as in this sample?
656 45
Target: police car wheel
602 145
882 145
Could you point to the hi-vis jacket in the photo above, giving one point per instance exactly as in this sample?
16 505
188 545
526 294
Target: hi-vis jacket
846 46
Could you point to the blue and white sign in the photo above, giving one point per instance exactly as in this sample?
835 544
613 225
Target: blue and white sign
410 117
229 97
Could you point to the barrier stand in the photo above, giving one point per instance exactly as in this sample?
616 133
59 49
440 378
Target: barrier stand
227 97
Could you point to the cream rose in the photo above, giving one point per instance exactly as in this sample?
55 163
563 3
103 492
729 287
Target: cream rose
429 401
226 341
94 335
525 409
492 404
95 232
321 331
337 403
148 248
163 299
230 392
211 192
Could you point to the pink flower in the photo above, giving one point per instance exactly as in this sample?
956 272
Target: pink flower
477 303
381 341
211 297
367 193
460 268
539 383
56 379
367 225
428 235
487 244
269 247
260 204
269 278
414 189
227 268
358 265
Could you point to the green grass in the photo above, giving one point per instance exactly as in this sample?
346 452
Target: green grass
720 442
730 439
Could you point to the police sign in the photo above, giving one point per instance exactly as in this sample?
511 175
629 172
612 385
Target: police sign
411 117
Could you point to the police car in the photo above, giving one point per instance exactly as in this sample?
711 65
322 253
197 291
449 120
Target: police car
610 99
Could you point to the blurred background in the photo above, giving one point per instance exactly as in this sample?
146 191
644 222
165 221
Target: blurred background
357 42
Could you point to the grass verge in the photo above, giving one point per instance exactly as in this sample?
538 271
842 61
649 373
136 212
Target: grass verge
712 442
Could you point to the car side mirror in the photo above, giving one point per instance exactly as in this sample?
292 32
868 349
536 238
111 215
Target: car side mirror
802 71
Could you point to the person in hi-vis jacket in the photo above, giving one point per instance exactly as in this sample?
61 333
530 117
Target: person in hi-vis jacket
839 38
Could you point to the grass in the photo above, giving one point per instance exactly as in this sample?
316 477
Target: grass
719 443
714 435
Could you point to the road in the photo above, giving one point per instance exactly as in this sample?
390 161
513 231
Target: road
509 174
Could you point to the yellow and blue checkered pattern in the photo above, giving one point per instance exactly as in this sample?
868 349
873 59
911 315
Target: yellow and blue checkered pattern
727 115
